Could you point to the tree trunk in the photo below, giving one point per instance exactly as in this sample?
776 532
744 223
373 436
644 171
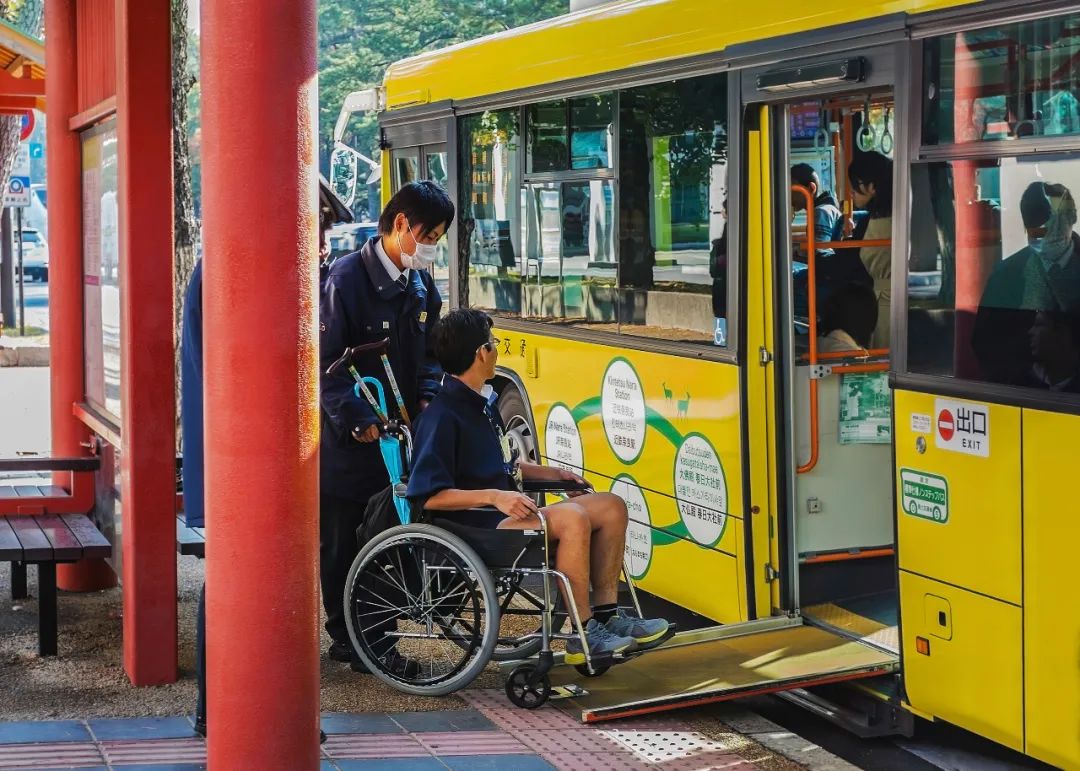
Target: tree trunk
186 227
7 272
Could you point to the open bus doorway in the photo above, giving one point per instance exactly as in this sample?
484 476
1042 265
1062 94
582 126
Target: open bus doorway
838 168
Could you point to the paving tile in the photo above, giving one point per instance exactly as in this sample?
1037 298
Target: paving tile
497 763
577 740
664 747
69 754
392 764
354 746
471 743
155 751
163 767
495 706
596 761
43 731
346 723
141 728
450 720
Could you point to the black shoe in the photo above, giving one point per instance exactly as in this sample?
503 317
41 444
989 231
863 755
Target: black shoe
340 651
394 664
200 729
356 665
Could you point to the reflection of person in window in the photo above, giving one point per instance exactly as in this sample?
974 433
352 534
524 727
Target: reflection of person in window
718 270
871 177
1043 276
1055 352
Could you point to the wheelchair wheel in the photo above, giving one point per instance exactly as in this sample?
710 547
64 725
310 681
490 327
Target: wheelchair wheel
421 610
520 613
523 694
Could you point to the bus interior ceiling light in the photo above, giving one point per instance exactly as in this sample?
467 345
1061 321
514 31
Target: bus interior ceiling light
844 71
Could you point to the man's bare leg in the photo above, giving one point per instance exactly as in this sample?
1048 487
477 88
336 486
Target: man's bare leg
569 525
607 516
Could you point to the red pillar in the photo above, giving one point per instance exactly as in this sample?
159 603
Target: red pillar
65 265
148 461
261 382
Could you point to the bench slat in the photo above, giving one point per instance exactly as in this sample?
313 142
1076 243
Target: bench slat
190 541
10 548
94 544
65 545
53 491
35 544
7 492
28 491
49 463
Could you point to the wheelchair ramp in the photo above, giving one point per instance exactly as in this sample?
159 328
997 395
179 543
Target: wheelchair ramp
692 670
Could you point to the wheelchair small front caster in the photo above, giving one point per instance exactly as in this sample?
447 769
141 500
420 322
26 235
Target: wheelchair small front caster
597 670
524 695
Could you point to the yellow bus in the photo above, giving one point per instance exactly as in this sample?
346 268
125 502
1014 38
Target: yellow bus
891 507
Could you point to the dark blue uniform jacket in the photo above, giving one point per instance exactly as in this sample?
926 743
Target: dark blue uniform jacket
360 304
457 447
191 399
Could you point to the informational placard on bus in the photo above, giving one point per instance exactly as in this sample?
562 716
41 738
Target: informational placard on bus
924 495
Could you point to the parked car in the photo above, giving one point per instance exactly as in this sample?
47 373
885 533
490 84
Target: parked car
35 255
345 239
924 285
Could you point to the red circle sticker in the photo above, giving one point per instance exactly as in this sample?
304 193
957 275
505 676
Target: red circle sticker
945 425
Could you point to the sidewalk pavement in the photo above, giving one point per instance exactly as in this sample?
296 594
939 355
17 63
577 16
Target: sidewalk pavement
492 734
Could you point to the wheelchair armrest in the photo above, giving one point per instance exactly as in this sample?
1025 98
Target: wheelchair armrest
552 486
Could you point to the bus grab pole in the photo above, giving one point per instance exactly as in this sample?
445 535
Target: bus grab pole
811 301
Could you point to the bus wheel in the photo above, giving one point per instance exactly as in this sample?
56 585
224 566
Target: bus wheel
518 424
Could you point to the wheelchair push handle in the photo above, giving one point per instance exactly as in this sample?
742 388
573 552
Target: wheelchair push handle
348 358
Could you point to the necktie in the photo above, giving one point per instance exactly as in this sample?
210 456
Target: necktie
403 281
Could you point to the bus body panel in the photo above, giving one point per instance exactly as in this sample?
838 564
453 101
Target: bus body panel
973 673
1051 624
663 433
959 512
614 37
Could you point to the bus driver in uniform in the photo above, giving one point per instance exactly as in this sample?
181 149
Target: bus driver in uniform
383 291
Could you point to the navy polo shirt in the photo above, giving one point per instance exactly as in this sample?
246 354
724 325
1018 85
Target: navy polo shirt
457 446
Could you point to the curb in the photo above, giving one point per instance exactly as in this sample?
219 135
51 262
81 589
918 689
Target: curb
24 356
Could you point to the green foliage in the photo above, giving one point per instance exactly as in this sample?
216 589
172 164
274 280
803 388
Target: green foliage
359 40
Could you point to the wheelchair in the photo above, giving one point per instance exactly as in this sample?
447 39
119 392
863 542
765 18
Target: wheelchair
430 603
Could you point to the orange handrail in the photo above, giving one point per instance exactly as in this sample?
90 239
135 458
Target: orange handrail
850 244
811 302
880 366
845 556
854 353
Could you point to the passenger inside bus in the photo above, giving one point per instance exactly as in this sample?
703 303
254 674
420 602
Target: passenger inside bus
871 175
1055 352
848 318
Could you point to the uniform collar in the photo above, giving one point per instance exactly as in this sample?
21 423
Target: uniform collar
392 270
384 282
454 387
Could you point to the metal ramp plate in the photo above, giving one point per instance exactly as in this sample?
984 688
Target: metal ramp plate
720 669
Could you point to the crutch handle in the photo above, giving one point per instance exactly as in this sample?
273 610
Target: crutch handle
348 358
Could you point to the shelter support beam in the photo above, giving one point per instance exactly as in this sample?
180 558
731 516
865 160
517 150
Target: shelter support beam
261 382
148 487
65 267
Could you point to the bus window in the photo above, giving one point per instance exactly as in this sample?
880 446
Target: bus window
406 166
568 230
1008 307
672 210
570 134
1002 83
490 215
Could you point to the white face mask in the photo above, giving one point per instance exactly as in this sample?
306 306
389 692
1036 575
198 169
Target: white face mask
422 257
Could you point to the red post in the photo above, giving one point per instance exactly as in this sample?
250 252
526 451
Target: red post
65 266
148 460
261 382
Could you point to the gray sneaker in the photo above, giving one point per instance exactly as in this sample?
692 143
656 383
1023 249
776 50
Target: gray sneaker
602 643
646 632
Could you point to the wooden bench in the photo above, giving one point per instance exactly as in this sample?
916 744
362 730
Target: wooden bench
190 541
46 540
46 525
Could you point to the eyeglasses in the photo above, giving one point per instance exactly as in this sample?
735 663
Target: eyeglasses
490 345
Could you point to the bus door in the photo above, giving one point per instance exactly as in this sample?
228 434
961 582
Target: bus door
849 635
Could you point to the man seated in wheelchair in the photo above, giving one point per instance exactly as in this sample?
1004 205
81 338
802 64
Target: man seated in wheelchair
463 460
